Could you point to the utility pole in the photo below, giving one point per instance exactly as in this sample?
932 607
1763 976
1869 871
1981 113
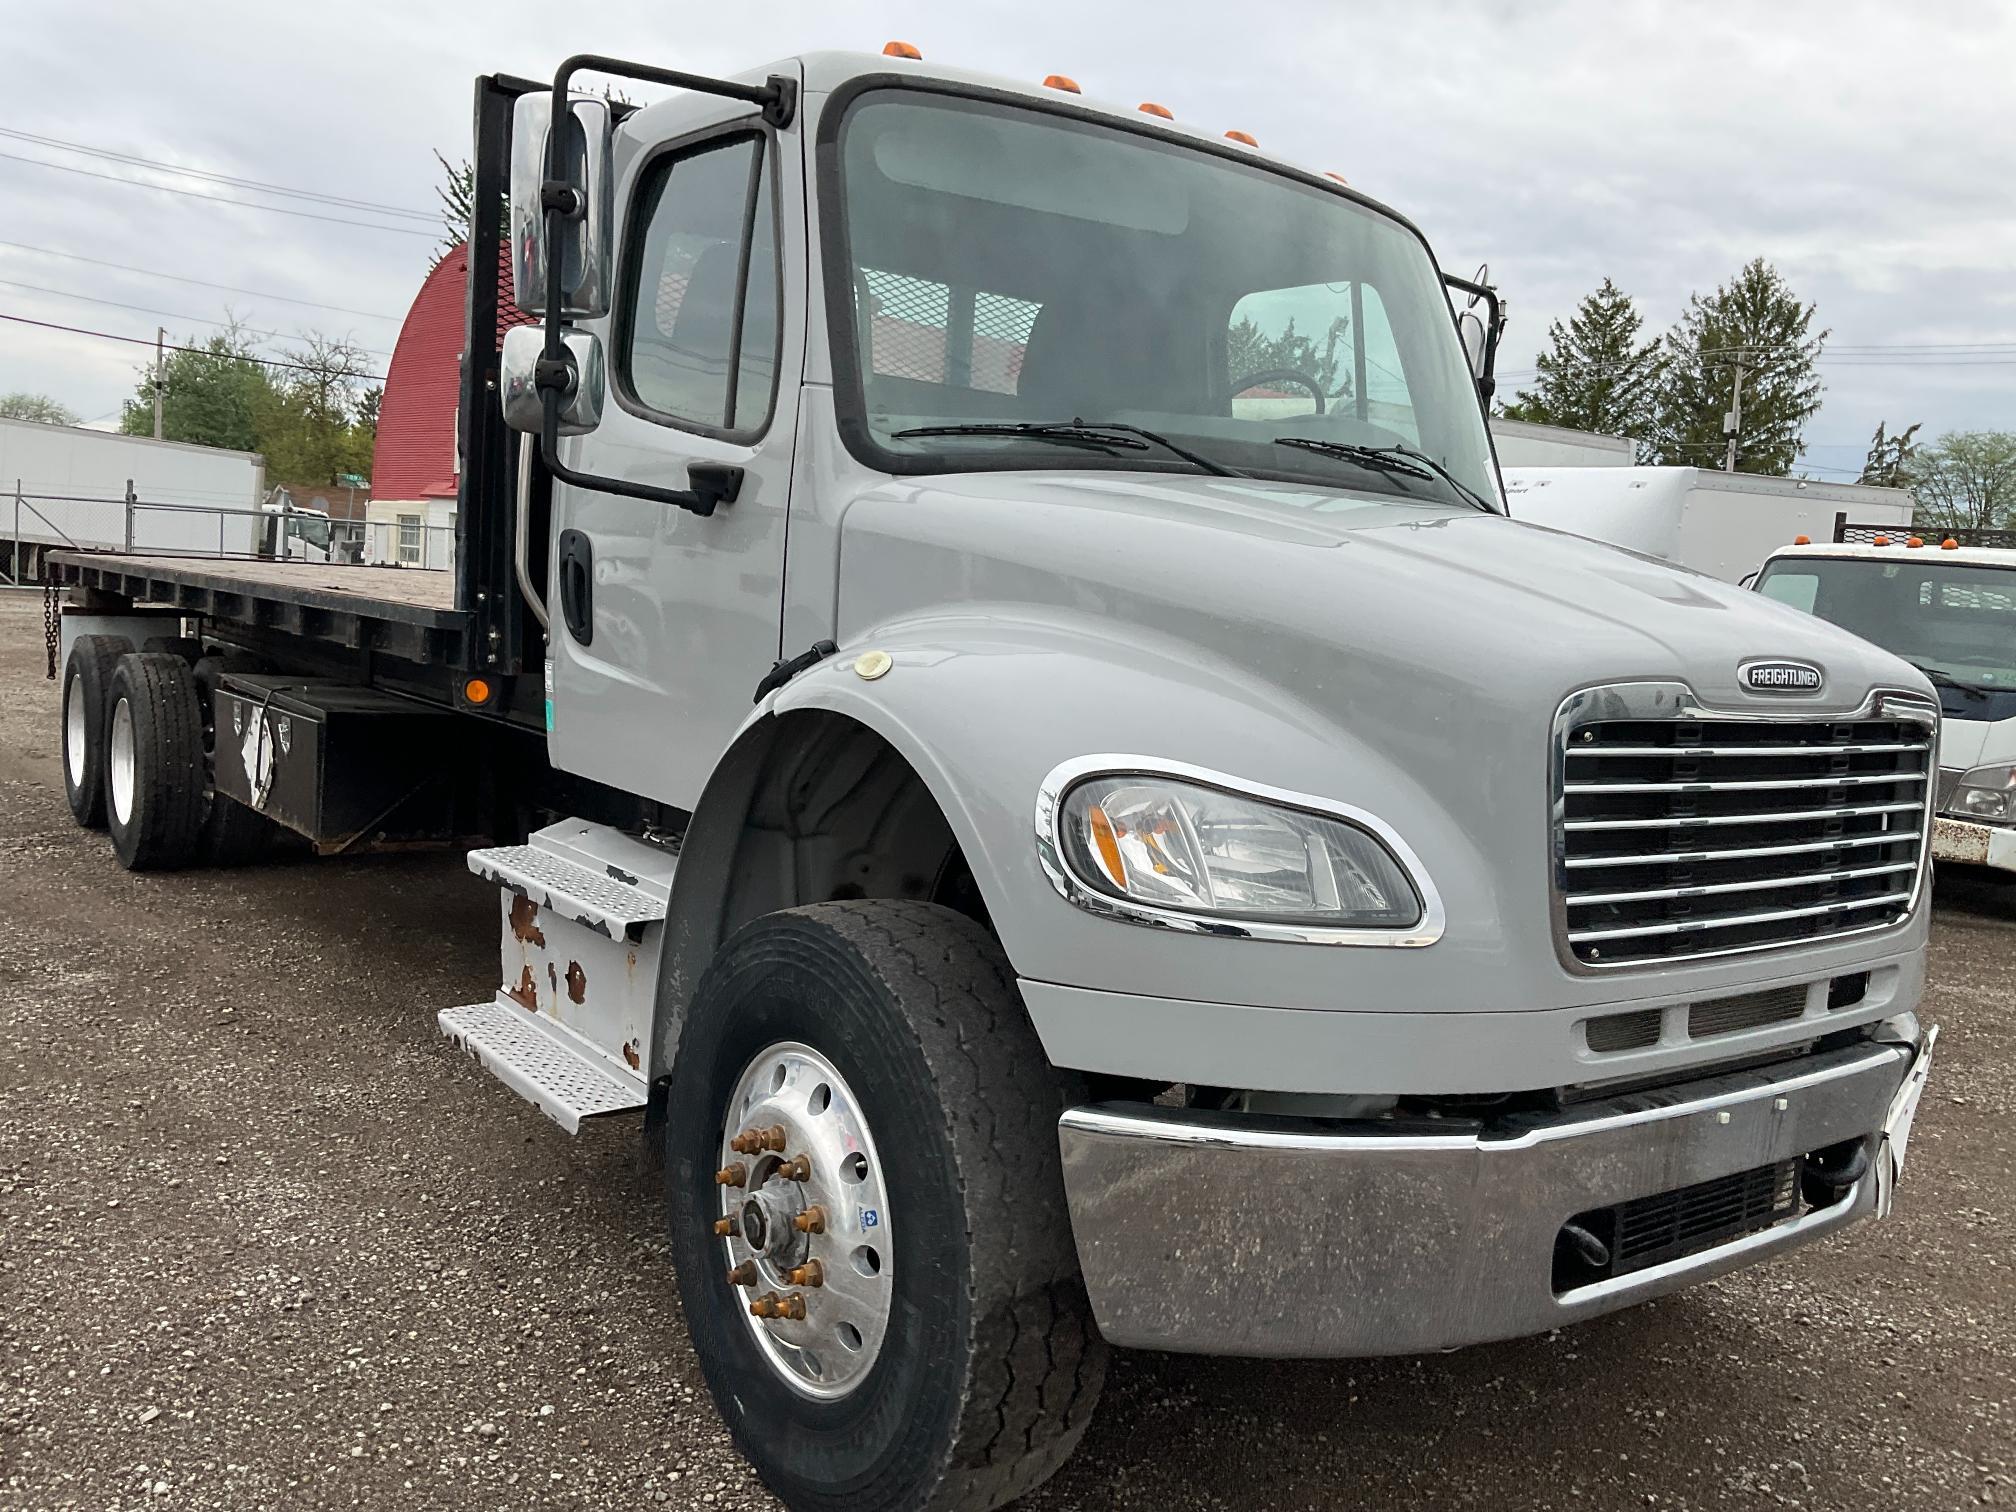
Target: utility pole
160 374
1732 422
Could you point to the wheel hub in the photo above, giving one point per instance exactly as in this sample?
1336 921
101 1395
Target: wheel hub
121 761
804 1221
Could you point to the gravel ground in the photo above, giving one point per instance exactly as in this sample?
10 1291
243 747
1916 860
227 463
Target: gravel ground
264 1241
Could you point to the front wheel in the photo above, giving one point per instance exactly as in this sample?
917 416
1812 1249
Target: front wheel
868 1215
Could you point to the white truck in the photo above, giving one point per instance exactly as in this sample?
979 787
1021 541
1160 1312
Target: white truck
1061 858
64 486
1948 606
1715 522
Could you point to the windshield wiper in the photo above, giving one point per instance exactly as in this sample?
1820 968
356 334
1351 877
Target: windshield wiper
1940 679
1088 433
1404 460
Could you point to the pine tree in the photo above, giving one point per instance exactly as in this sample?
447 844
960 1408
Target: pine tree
1757 323
1595 375
1888 464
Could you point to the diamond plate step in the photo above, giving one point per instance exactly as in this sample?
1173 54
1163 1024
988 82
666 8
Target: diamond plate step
548 1065
606 880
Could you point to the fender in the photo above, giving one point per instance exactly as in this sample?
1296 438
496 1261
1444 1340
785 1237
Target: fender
983 706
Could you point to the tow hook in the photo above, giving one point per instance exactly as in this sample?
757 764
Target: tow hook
1826 1174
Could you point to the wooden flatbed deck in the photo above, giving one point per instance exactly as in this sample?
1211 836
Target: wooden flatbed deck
407 612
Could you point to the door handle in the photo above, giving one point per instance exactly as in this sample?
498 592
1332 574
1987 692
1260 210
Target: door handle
577 585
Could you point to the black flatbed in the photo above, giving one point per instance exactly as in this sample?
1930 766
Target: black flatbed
407 612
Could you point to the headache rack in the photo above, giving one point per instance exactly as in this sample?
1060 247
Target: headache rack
1682 833
1852 532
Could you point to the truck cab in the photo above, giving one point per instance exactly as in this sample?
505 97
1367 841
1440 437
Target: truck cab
1949 608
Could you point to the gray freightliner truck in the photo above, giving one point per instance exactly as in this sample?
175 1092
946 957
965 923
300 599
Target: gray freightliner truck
989 666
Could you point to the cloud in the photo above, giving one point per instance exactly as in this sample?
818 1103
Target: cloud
1863 149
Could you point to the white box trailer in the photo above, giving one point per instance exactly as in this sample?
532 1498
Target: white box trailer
62 486
1522 443
1723 524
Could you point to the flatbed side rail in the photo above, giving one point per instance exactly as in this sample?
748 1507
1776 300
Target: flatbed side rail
393 611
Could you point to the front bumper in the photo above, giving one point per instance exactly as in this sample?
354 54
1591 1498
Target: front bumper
1976 844
1217 1234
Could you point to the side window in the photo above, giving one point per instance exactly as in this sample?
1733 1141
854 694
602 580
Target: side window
1286 349
681 354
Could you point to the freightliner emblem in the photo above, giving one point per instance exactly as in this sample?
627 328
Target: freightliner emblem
1781 677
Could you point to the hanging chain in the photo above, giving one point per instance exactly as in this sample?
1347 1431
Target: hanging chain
52 626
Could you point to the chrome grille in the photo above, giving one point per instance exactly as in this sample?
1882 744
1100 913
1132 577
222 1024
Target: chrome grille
1748 1010
1694 835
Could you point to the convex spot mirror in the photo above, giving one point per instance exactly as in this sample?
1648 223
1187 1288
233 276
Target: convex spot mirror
584 247
580 398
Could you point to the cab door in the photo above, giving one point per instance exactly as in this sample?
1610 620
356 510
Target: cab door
662 620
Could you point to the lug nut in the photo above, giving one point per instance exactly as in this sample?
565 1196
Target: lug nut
725 1228
770 1305
756 1141
743 1274
811 1221
733 1176
811 1273
799 1169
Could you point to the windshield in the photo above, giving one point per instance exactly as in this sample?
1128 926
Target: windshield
1004 266
1952 619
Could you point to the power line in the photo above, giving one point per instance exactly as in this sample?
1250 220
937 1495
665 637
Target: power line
206 175
220 199
149 310
200 283
147 341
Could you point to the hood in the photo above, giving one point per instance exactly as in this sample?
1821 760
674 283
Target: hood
1347 598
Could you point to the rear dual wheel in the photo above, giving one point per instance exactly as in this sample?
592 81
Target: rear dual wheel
87 709
868 1214
154 780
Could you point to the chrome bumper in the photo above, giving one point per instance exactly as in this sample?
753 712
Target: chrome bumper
1215 1234
1976 844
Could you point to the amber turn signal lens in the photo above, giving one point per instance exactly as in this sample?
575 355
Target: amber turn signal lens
476 690
1149 107
900 50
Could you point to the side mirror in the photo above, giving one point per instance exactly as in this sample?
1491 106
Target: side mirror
582 387
585 191
1474 337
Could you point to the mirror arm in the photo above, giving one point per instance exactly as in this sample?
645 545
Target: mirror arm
714 483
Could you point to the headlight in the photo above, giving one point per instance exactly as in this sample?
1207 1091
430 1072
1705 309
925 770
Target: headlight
1159 848
1987 793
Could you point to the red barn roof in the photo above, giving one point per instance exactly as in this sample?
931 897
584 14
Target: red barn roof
415 453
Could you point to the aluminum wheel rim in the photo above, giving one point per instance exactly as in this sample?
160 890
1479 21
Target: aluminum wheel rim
828 1352
73 731
119 761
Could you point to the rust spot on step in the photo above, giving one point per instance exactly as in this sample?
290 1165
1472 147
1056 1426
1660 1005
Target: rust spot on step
553 978
577 983
525 922
631 1054
526 993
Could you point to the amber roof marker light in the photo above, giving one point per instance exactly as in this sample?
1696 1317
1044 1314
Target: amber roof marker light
901 50
1242 136
1059 81
1149 107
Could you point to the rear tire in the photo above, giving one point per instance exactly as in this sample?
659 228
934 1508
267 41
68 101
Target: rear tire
87 704
986 1376
154 763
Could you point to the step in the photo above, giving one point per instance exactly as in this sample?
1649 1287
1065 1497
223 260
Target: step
545 1063
608 881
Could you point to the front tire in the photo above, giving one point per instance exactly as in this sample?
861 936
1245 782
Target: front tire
985 1362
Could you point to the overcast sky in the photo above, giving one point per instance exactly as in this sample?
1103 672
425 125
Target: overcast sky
1866 149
